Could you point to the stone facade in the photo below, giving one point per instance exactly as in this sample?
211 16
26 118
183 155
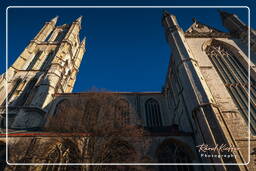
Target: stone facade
48 65
204 99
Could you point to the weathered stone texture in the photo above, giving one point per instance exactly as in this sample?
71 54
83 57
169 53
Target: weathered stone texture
196 106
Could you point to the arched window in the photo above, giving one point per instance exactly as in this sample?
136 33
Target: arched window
66 117
17 82
35 59
173 151
61 35
234 75
153 113
47 60
91 114
21 100
122 111
63 152
61 107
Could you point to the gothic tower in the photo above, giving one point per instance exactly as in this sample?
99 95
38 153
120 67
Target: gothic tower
238 29
204 100
207 81
48 65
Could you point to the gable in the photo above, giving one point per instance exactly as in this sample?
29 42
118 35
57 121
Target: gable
198 29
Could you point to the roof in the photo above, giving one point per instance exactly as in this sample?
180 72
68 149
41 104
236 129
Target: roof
106 92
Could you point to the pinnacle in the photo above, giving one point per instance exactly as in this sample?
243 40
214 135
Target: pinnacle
194 20
54 20
166 13
83 42
79 19
224 14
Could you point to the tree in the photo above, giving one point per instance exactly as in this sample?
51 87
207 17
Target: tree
101 127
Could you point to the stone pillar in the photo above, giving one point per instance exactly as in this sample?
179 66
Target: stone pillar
237 28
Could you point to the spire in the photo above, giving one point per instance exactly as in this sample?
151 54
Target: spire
224 14
232 23
79 19
83 41
166 13
194 20
82 44
54 20
172 21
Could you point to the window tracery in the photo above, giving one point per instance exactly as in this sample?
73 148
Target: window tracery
235 77
153 113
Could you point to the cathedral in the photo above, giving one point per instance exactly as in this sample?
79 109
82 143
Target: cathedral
199 121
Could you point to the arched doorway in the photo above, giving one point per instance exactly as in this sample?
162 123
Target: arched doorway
174 151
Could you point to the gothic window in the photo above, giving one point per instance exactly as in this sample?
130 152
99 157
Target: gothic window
60 35
122 111
53 157
173 151
34 60
48 37
235 77
153 113
64 152
90 114
47 60
61 107
31 95
21 100
16 84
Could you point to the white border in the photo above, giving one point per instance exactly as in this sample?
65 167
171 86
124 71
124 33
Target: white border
249 26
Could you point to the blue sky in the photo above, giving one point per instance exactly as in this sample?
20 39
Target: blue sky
126 48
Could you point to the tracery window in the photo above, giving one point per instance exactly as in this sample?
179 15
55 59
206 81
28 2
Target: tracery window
16 84
122 111
61 35
235 77
172 151
21 100
47 60
35 59
64 152
61 107
153 113
91 114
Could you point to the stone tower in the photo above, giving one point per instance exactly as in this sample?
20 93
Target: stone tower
48 65
204 100
238 28
207 80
